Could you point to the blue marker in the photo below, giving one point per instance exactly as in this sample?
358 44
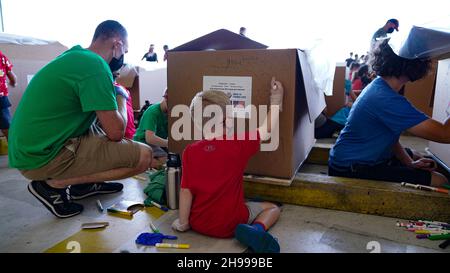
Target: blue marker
159 206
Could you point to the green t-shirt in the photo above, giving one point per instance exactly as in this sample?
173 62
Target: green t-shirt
153 120
59 104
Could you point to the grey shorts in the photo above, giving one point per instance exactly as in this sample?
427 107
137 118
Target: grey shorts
254 209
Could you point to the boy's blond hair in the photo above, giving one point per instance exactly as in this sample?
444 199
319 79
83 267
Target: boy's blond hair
205 98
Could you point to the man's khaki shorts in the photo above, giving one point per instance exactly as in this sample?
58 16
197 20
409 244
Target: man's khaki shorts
87 155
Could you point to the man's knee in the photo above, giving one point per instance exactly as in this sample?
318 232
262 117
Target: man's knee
145 159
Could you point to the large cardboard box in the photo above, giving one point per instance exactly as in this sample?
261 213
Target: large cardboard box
337 100
302 100
28 55
441 110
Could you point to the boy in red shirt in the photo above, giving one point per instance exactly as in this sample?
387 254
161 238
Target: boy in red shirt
5 73
212 196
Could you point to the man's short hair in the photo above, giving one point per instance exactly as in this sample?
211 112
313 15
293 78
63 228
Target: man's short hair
108 29
206 98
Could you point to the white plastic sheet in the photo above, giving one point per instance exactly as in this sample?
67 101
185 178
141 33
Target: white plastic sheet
322 64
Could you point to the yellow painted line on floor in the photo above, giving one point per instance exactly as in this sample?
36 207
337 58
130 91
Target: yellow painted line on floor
106 240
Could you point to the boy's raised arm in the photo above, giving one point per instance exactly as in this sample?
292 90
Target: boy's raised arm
273 117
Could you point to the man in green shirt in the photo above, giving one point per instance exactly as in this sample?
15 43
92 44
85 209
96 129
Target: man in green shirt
152 130
53 139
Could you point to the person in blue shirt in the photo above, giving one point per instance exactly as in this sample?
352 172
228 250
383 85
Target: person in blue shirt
368 146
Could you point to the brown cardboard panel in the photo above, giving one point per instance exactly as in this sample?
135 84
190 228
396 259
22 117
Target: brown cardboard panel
441 109
420 93
185 79
337 100
127 76
27 61
221 39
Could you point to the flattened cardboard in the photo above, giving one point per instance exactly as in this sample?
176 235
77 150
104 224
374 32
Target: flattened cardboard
221 39
337 100
185 79
420 93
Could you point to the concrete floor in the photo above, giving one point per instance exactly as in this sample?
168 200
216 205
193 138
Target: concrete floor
26 226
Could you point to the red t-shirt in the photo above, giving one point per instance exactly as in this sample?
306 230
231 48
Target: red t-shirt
357 84
5 67
213 171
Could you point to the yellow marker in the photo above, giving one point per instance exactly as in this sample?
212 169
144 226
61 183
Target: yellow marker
140 178
425 231
180 246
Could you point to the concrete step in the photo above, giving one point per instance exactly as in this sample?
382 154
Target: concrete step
319 154
321 150
354 195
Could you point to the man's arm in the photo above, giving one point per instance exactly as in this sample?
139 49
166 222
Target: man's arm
12 78
273 117
152 138
433 130
122 108
112 123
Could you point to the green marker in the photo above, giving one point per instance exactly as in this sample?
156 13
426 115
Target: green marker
439 237
154 229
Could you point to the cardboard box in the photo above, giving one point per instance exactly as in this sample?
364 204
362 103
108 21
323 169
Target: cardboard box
337 100
421 93
303 102
441 110
28 56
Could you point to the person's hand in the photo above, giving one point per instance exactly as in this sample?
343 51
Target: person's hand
176 225
424 164
121 92
276 93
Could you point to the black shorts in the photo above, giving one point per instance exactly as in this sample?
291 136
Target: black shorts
5 115
392 171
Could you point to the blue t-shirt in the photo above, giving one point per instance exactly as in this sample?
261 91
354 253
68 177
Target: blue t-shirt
374 125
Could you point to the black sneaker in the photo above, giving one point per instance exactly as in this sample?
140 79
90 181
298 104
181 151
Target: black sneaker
81 191
56 201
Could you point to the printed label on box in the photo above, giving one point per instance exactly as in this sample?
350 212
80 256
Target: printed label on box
240 89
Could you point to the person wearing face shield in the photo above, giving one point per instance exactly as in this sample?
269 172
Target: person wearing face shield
54 140
369 146
388 28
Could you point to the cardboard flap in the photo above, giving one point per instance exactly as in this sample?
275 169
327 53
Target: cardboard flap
314 97
221 39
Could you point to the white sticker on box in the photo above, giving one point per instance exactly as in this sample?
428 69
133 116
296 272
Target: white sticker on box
240 89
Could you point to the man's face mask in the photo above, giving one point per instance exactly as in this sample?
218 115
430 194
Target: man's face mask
390 30
116 63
